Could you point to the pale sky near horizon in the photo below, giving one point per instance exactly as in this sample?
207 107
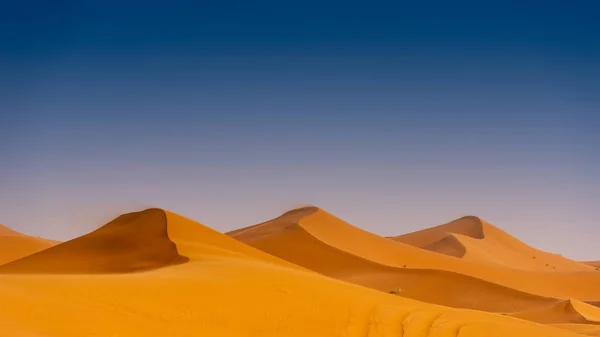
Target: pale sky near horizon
393 117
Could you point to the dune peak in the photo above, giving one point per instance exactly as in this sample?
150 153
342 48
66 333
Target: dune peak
285 221
132 242
6 231
470 225
562 312
436 237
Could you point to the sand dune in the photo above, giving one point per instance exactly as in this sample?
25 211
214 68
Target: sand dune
131 242
293 243
564 312
595 264
279 235
474 239
225 288
15 245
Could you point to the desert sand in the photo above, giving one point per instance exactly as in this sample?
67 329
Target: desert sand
15 245
155 273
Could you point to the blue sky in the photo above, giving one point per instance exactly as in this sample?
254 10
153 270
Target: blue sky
394 116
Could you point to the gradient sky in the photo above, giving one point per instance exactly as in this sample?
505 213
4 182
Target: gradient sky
393 116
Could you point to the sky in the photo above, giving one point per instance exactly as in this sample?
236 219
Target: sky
393 116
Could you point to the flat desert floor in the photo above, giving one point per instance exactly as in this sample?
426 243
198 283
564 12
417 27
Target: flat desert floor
305 273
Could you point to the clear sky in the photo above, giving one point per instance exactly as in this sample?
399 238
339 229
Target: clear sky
393 116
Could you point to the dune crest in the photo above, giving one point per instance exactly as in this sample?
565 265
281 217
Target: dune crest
486 243
132 242
564 312
15 245
5 231
470 226
448 245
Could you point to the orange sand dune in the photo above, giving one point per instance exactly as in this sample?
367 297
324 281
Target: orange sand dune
293 243
569 311
472 238
224 289
335 233
15 245
120 246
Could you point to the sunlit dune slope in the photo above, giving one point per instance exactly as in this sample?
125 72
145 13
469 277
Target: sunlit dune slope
474 239
279 235
284 238
15 245
224 289
569 311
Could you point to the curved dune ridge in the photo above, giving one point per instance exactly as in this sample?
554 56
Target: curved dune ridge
449 245
131 242
480 241
15 245
564 312
226 288
296 228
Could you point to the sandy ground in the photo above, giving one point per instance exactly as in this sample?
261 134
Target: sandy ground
155 273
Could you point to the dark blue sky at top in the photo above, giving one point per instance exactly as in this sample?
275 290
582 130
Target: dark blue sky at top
276 102
37 29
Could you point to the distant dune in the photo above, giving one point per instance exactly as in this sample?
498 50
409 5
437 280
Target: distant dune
569 311
492 259
15 245
595 264
286 238
474 239
224 288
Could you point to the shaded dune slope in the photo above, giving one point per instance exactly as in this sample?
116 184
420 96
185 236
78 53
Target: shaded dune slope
449 245
470 226
486 243
226 289
132 242
15 245
277 236
564 312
